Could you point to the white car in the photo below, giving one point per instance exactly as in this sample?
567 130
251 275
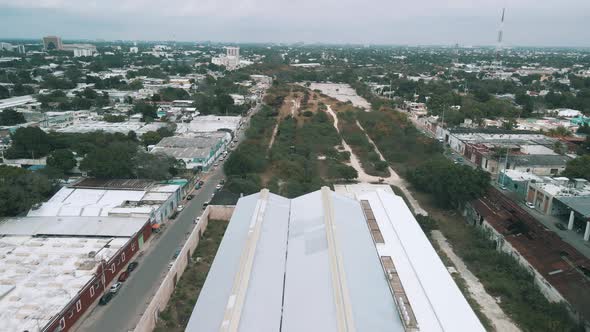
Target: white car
530 205
218 187
115 287
196 221
179 208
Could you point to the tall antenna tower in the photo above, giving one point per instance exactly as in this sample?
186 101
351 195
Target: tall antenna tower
498 62
455 59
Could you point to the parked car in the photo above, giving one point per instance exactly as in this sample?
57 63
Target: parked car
216 164
222 182
503 187
179 208
197 220
205 205
176 253
201 183
560 226
115 287
530 205
105 298
123 276
132 266
218 187
190 197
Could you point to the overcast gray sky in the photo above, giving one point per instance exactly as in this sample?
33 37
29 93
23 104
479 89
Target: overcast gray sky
467 22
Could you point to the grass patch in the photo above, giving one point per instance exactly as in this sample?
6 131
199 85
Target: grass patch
175 316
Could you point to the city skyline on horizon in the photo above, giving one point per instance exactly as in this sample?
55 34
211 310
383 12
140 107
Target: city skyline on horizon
528 23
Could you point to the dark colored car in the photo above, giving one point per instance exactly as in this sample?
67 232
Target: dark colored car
176 253
132 266
106 298
560 226
190 197
123 276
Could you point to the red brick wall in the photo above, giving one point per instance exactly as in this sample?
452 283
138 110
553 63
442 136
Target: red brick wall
96 288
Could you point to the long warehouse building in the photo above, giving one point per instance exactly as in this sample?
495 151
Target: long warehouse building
326 261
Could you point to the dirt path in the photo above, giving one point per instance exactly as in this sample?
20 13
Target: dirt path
295 106
393 178
488 305
274 134
396 180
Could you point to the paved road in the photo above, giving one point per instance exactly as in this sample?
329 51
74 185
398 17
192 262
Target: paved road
124 310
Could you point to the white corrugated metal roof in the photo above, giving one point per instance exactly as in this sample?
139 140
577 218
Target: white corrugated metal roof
435 299
305 265
72 226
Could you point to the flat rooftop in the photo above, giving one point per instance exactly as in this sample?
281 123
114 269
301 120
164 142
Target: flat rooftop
40 276
312 264
112 127
88 202
72 226
200 146
209 123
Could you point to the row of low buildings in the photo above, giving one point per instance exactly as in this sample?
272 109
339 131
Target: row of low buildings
559 269
495 149
560 197
198 143
56 262
350 260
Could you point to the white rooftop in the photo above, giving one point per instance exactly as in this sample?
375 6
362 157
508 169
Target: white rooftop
517 175
311 264
435 299
39 276
70 201
72 226
112 127
209 123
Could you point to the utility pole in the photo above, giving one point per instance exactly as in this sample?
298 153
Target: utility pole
505 167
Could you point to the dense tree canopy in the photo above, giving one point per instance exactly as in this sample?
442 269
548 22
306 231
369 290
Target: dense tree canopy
20 189
149 111
452 185
28 142
10 117
62 159
578 168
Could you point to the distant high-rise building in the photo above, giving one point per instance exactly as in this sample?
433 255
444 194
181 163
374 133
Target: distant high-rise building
133 49
52 43
20 49
5 47
13 48
231 59
232 51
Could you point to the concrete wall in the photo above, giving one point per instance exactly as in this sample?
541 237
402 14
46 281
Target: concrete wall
149 318
474 218
546 289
